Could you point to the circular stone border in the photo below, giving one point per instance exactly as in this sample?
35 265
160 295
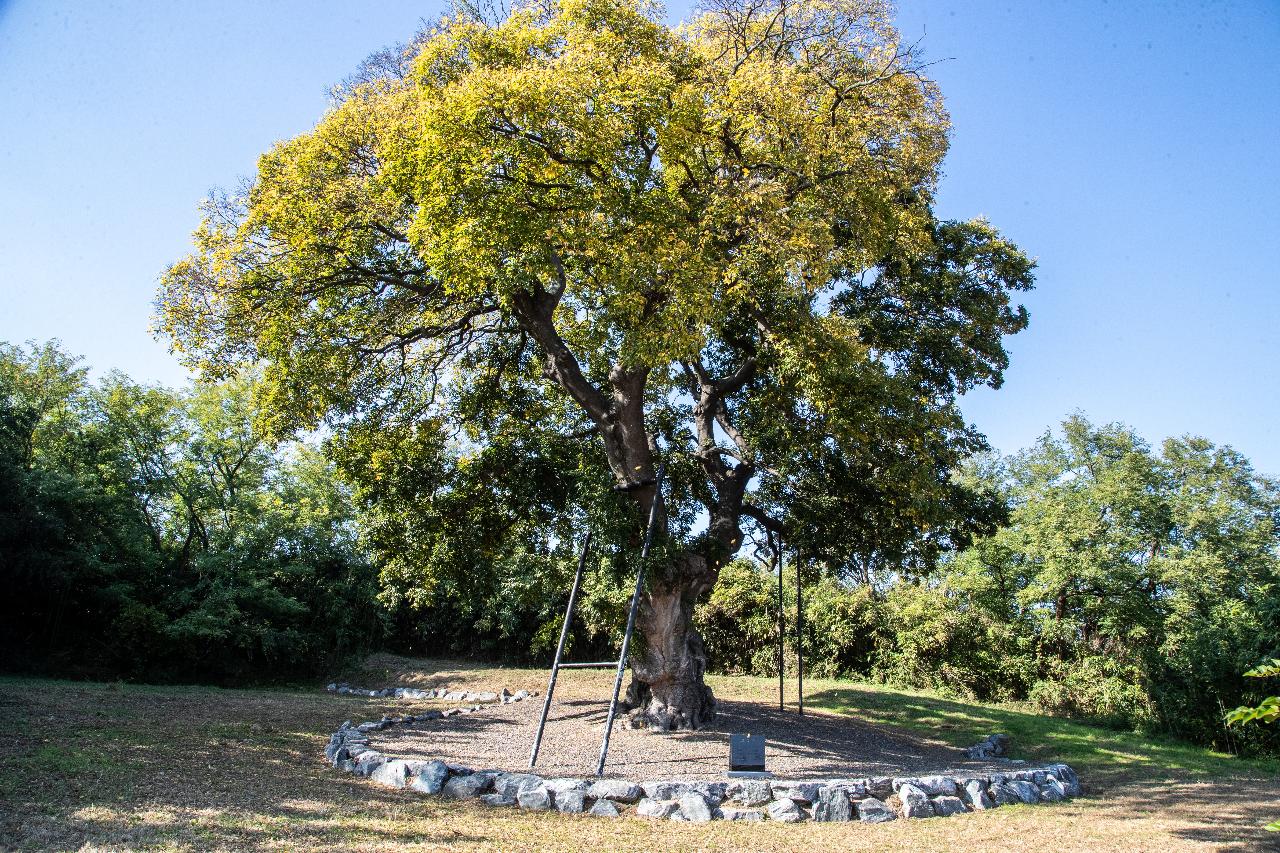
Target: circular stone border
870 799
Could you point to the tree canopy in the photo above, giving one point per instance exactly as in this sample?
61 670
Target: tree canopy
712 243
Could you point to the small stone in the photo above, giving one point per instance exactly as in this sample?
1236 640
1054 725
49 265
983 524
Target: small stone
536 799
1026 791
785 810
369 762
392 773
455 696
801 792
604 808
695 808
712 792
464 787
880 787
937 786
976 794
558 785
1052 791
872 810
332 688
497 800
947 805
857 789
915 802
619 790
833 805
751 792
1004 794
519 695
655 808
1070 781
572 801
665 790
510 784
486 697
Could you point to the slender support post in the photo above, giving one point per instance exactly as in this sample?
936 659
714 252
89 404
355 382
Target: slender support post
631 617
799 636
782 661
564 633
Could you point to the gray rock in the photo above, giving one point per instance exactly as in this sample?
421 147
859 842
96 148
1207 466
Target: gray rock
934 786
519 695
880 787
571 801
695 808
486 697
455 696
497 800
369 762
712 792
557 786
750 792
1052 791
915 802
1070 781
347 766
665 790
535 799
832 805
975 794
619 790
785 810
946 805
742 814
872 810
331 688
857 789
510 784
604 808
655 808
369 727
1026 791
344 691
393 773
801 792
1004 794
464 787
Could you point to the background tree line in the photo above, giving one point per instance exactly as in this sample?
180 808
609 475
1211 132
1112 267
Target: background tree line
150 533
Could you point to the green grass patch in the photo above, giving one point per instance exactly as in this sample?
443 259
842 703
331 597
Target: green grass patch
1101 753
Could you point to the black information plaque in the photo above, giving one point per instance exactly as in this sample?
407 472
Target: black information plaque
746 752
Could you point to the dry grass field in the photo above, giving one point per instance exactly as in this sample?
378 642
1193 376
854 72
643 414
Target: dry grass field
89 766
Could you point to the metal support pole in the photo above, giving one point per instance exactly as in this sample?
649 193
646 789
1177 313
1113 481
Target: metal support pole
782 661
631 617
799 636
564 633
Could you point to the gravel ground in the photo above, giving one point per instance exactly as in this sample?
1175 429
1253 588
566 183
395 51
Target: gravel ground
813 746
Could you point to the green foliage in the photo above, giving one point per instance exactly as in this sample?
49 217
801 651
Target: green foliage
152 533
528 258
1266 711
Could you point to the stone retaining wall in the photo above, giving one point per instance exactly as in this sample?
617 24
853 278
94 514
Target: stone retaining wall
873 800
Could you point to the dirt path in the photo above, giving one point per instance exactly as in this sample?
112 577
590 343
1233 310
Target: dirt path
813 746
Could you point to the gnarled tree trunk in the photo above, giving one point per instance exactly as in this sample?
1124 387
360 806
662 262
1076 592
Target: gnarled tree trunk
669 662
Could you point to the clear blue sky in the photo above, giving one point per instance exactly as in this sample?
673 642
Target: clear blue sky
1133 147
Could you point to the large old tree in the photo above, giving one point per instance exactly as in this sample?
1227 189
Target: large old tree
715 242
